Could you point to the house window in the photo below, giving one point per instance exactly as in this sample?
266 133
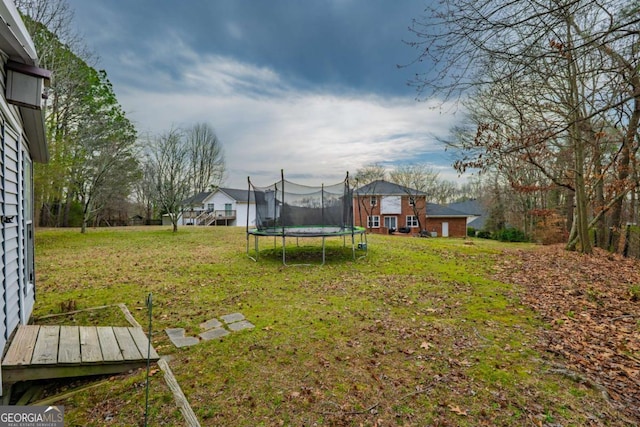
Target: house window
228 209
412 201
374 201
210 207
412 221
373 221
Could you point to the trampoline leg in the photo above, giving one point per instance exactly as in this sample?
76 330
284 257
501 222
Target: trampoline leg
323 238
284 250
255 242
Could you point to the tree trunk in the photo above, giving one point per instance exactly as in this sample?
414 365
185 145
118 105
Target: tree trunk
601 230
578 143
623 169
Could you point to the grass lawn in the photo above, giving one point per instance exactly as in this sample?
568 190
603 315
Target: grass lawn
415 334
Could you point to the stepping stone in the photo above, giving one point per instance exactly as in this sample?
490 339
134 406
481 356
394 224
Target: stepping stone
231 318
210 324
214 333
185 341
238 326
175 332
177 337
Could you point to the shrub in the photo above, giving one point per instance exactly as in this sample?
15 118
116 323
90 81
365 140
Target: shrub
510 235
483 234
471 232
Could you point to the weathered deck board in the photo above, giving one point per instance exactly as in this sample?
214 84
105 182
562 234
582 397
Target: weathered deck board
69 351
109 345
143 343
25 339
46 349
127 344
89 344
45 352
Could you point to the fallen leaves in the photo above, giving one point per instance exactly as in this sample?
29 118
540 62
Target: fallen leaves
456 410
595 323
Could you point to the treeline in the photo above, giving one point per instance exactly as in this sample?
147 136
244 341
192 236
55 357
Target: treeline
100 171
552 95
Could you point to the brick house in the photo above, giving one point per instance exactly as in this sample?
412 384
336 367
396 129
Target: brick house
446 222
386 208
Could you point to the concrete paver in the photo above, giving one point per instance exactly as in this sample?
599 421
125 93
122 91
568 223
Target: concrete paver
238 326
233 317
178 338
213 329
210 324
214 333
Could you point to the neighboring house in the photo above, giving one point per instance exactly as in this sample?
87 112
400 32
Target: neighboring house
384 207
22 132
223 206
475 208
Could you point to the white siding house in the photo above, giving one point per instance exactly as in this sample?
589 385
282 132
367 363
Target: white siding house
223 206
22 135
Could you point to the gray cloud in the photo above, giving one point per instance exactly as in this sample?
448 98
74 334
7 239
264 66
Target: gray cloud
309 87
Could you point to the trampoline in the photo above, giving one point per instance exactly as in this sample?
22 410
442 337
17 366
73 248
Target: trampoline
289 210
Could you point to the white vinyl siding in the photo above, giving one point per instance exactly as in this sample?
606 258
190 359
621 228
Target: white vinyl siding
3 293
242 209
12 242
18 295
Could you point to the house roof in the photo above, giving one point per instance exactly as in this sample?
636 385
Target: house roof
384 188
474 207
241 196
14 37
478 223
198 199
438 211
17 44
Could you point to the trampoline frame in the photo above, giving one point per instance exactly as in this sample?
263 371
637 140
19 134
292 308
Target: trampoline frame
282 233
306 231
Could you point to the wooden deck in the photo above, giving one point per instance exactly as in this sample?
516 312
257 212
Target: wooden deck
46 352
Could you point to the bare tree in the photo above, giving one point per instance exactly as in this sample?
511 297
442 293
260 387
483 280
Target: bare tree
168 164
206 158
180 163
370 173
144 191
542 76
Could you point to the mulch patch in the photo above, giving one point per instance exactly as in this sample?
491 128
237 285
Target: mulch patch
591 303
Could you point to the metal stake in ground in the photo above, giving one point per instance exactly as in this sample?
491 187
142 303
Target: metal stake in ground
146 403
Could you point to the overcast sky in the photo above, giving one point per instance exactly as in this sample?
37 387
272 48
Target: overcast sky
311 87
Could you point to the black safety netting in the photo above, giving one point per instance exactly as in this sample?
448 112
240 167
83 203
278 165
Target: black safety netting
286 205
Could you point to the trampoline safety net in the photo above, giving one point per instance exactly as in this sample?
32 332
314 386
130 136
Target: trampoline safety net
287 208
